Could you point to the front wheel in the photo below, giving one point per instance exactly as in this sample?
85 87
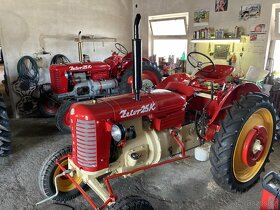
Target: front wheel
244 142
131 203
67 190
62 117
150 78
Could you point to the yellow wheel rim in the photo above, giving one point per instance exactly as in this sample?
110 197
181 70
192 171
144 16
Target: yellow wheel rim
63 183
242 172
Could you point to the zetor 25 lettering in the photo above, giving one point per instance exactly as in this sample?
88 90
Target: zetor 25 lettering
145 108
75 68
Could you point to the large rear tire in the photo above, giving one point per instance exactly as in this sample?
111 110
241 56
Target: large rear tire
150 77
244 142
5 134
62 117
67 190
131 203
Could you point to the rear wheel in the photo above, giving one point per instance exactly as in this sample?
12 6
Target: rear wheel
5 138
244 142
67 190
62 117
48 107
150 78
131 203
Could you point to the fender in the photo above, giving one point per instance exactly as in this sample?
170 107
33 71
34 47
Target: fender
230 97
128 61
174 78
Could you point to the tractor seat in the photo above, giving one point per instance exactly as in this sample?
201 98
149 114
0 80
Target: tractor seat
218 75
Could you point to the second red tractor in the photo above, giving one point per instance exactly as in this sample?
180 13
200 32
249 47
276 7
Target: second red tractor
72 82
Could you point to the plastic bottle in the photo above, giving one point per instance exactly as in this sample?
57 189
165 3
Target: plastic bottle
233 59
184 56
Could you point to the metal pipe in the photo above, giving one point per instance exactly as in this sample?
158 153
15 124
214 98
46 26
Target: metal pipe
80 50
56 188
137 59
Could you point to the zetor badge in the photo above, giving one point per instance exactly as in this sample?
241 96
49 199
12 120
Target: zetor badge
144 109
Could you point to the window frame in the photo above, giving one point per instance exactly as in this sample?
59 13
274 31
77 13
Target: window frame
166 19
277 22
153 37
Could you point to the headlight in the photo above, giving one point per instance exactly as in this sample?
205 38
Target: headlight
118 132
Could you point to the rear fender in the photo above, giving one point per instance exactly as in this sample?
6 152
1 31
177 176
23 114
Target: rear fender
128 62
230 97
174 78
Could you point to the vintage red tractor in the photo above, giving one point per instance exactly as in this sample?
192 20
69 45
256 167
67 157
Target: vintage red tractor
71 82
121 136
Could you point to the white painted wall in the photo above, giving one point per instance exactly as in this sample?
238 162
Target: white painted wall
28 25
226 20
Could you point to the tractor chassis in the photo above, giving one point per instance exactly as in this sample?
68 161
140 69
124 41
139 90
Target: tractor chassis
107 195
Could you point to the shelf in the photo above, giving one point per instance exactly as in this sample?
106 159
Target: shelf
214 40
92 38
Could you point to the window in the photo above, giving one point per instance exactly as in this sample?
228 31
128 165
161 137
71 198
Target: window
275 62
168 37
168 27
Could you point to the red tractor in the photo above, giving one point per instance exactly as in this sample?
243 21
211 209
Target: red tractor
86 80
124 135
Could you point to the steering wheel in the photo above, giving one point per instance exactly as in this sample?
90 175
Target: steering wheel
199 60
121 48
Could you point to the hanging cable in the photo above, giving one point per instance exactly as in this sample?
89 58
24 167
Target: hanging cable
28 69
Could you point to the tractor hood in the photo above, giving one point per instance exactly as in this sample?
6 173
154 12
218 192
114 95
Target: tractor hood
158 103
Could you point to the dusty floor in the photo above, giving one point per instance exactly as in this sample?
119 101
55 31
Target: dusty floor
183 185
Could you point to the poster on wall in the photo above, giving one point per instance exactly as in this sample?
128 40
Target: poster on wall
201 18
257 32
221 5
259 28
250 11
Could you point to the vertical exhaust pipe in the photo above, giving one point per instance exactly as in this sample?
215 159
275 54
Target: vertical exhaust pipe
80 51
137 59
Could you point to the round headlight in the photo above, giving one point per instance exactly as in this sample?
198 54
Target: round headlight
118 132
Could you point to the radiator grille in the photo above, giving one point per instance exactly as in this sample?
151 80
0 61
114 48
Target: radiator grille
86 143
57 80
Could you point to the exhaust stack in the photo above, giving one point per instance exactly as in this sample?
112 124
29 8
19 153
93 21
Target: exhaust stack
80 51
137 59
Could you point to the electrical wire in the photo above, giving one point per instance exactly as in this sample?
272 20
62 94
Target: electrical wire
28 69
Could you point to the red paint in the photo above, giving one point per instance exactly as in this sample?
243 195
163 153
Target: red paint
248 157
94 70
179 142
66 118
269 201
112 67
218 75
157 105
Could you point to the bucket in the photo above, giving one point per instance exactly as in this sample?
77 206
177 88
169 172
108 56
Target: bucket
202 153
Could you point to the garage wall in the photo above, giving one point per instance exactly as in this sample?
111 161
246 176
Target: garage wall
27 26
254 53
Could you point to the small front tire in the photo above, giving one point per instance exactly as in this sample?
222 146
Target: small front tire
131 203
67 190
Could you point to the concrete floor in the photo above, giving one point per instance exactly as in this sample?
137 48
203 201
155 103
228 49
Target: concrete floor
182 185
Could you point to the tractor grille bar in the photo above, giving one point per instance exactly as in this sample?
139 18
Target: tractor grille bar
57 81
86 143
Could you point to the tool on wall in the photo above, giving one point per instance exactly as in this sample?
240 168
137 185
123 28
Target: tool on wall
26 84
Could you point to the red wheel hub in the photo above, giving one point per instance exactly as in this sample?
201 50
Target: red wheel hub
67 118
254 145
